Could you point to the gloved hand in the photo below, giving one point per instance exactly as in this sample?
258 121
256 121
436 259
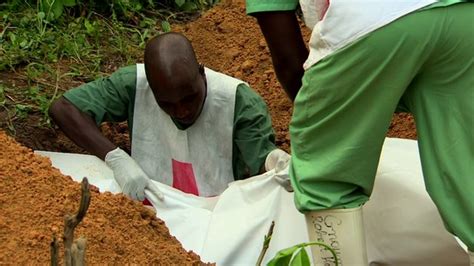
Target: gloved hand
279 161
153 189
127 173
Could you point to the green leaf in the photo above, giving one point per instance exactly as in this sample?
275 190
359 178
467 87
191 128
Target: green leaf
12 37
57 8
301 258
165 26
41 15
179 3
24 43
69 3
53 8
89 27
189 6
283 257
2 95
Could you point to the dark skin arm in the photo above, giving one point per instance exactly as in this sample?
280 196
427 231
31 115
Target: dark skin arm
287 47
80 128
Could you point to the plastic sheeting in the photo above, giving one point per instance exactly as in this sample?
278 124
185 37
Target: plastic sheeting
402 224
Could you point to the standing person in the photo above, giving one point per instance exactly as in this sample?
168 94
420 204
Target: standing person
365 59
191 127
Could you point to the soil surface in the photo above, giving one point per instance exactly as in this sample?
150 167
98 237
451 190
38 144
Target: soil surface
118 230
226 40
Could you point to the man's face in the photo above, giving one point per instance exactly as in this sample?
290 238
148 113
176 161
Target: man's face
182 97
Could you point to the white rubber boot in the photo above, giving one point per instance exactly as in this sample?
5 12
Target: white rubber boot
342 230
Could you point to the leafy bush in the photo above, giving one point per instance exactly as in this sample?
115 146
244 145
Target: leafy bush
43 42
124 9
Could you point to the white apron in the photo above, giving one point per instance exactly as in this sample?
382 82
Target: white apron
197 160
337 23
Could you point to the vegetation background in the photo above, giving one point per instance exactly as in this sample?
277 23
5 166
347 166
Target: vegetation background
48 46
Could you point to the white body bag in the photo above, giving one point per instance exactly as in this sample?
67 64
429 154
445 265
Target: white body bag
402 224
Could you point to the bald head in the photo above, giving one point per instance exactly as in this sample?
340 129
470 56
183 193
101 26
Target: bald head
169 53
174 75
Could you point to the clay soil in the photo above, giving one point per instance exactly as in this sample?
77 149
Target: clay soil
34 197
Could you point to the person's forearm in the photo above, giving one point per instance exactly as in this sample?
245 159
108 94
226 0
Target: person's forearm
283 35
80 128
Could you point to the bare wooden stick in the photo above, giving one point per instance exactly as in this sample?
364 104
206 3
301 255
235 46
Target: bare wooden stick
78 251
54 251
266 244
71 221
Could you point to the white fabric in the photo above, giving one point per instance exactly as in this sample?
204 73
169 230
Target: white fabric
402 224
341 229
313 11
206 145
78 166
346 21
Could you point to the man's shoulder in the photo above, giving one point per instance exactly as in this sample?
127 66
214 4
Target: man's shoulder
246 97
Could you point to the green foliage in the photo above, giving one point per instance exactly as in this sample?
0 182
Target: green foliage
121 9
2 95
297 255
165 25
53 9
85 37
190 5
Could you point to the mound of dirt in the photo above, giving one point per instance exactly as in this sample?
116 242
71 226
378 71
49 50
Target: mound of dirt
227 40
34 198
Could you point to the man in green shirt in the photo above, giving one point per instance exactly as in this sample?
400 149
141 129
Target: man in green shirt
191 128
365 60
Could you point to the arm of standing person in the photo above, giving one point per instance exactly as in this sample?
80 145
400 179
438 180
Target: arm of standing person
280 27
253 136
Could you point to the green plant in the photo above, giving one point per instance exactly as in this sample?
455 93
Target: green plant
293 256
193 5
2 95
297 255
47 46
53 9
165 26
22 110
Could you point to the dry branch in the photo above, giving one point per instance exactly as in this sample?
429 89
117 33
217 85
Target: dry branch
73 250
78 251
54 251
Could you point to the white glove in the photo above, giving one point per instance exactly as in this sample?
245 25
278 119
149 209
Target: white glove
152 189
279 161
127 173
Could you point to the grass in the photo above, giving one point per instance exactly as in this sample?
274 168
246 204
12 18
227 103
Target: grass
40 59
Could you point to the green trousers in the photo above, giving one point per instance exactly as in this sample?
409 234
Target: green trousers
423 62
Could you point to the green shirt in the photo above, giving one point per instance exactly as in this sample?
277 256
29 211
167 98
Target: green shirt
253 6
112 99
